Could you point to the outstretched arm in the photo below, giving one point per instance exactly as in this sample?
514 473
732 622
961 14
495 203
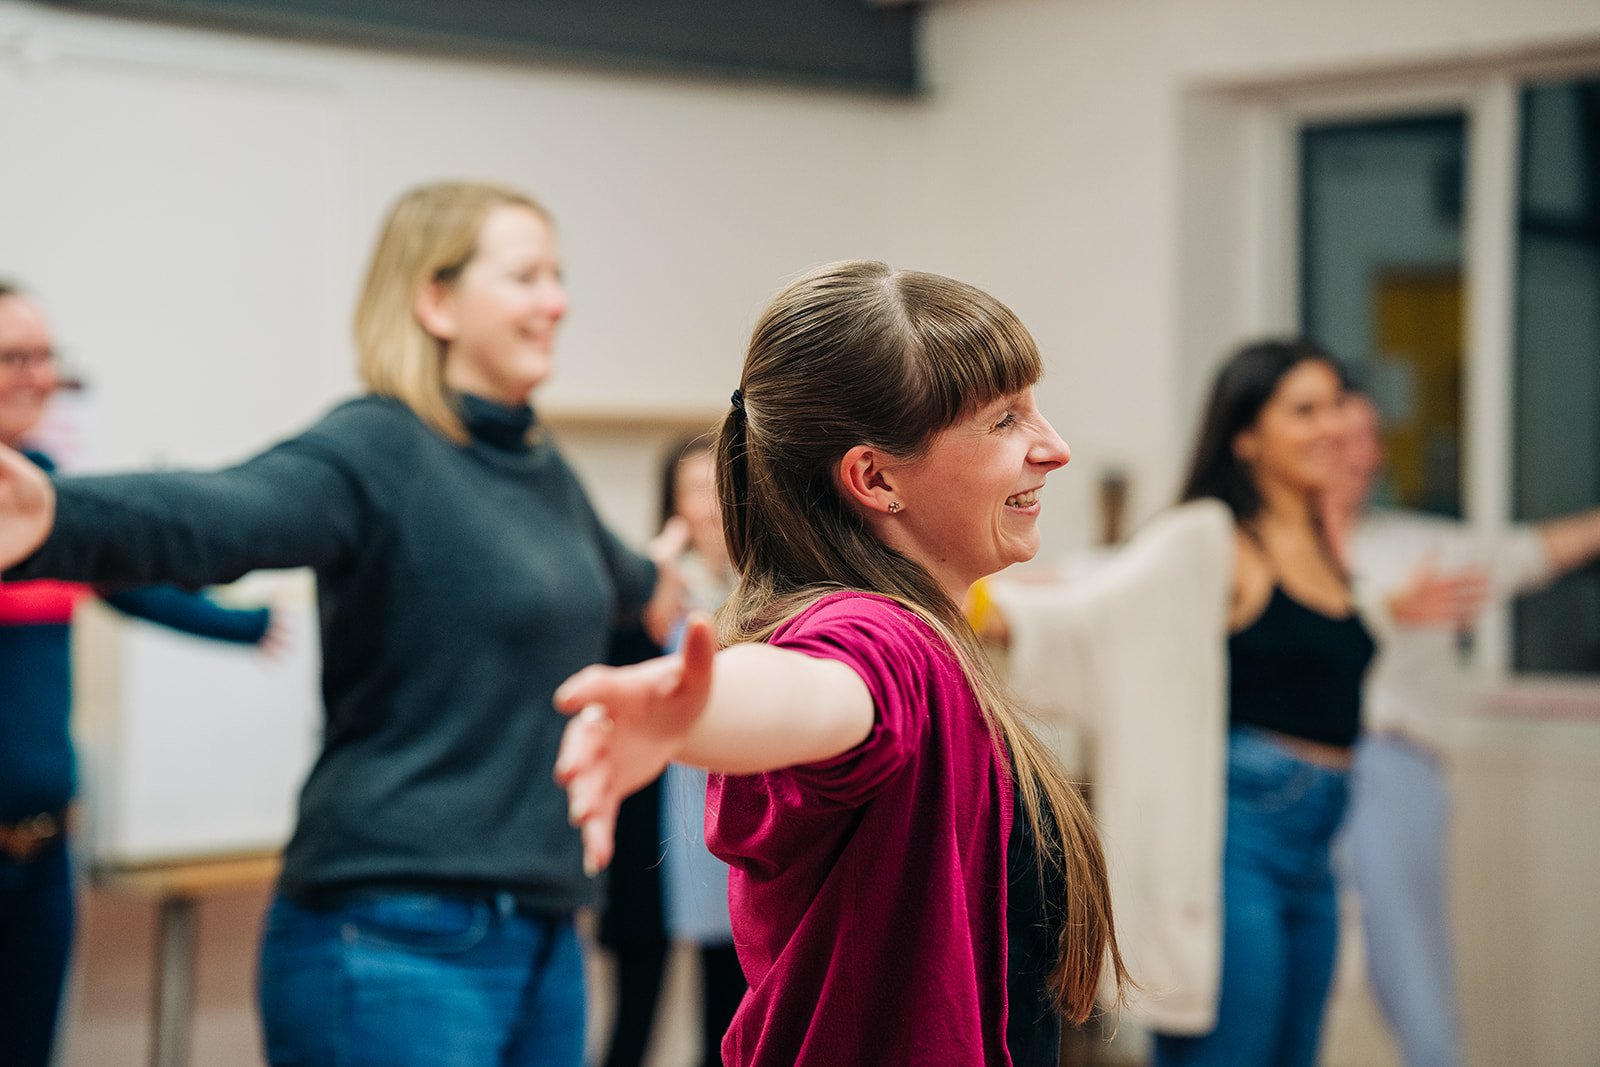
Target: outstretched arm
1572 541
744 710
292 506
192 613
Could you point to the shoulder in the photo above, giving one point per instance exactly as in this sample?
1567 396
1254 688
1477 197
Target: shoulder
875 633
1198 534
1390 519
868 613
368 433
1202 521
369 418
1393 530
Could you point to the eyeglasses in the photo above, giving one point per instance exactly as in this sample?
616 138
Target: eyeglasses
16 360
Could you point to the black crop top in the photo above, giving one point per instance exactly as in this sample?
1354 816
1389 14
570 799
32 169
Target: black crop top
1298 672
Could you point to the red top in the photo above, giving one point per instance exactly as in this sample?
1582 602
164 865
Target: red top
868 892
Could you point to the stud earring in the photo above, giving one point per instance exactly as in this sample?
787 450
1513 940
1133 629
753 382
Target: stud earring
894 506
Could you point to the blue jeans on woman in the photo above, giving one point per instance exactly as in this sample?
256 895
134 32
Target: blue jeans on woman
1279 911
1397 834
391 979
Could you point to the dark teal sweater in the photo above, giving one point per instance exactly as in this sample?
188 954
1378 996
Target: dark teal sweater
458 586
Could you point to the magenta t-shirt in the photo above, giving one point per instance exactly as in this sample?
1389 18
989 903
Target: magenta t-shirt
868 891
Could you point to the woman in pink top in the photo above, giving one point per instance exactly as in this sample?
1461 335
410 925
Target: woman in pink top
914 878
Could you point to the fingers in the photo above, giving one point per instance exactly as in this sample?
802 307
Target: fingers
671 541
599 839
586 687
1433 598
699 653
592 800
583 743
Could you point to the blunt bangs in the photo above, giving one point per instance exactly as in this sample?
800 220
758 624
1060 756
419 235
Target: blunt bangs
973 349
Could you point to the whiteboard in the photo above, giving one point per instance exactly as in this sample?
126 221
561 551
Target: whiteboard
190 747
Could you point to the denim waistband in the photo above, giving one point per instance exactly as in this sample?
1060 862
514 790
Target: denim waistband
1278 800
503 902
1261 749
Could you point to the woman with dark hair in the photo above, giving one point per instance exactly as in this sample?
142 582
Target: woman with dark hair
1221 776
1297 652
914 878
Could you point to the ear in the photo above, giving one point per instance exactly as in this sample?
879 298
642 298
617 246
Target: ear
1246 448
866 477
435 308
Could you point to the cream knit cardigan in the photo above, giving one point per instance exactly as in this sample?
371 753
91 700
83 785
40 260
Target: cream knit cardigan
1135 657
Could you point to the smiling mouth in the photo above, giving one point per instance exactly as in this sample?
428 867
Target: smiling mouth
1023 500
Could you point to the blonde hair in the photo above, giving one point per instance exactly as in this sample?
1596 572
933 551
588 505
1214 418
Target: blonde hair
855 353
431 234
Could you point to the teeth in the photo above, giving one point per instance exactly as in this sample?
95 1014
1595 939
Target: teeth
1023 500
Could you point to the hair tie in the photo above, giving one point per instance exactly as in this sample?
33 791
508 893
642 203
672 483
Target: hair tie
737 400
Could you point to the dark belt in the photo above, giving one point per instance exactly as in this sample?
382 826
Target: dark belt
26 839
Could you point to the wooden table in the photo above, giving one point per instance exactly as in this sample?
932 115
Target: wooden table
176 888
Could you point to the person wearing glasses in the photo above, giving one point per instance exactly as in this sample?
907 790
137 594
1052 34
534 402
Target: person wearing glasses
38 775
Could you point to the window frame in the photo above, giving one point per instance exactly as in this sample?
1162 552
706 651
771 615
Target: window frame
1487 93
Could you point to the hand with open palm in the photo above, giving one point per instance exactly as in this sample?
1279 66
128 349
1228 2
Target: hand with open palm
1434 598
629 723
27 507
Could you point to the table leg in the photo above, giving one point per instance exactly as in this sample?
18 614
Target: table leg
174 982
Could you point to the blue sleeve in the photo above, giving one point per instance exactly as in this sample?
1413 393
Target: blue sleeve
192 613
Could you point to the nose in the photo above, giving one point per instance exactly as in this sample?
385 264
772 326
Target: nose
556 301
1049 450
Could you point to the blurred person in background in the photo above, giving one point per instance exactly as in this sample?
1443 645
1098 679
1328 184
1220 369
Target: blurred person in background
38 771
1423 581
665 885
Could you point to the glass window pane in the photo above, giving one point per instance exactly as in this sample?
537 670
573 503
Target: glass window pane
1383 289
1556 428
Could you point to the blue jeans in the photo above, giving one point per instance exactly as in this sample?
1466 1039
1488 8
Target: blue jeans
392 979
1397 831
36 909
1279 911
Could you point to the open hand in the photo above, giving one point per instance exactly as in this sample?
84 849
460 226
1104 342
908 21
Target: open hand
27 507
1437 598
629 723
669 601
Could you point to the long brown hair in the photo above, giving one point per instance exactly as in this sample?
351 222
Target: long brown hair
855 353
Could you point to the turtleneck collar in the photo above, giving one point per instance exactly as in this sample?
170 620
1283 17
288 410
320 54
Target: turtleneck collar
498 425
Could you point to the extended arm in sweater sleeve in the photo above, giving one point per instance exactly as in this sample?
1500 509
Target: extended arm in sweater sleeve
296 505
192 613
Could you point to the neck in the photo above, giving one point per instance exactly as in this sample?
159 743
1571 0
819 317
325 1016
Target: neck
1284 505
484 390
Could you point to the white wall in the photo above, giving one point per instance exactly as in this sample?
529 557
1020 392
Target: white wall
195 209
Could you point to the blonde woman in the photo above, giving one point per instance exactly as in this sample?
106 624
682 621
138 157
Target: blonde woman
914 879
424 915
